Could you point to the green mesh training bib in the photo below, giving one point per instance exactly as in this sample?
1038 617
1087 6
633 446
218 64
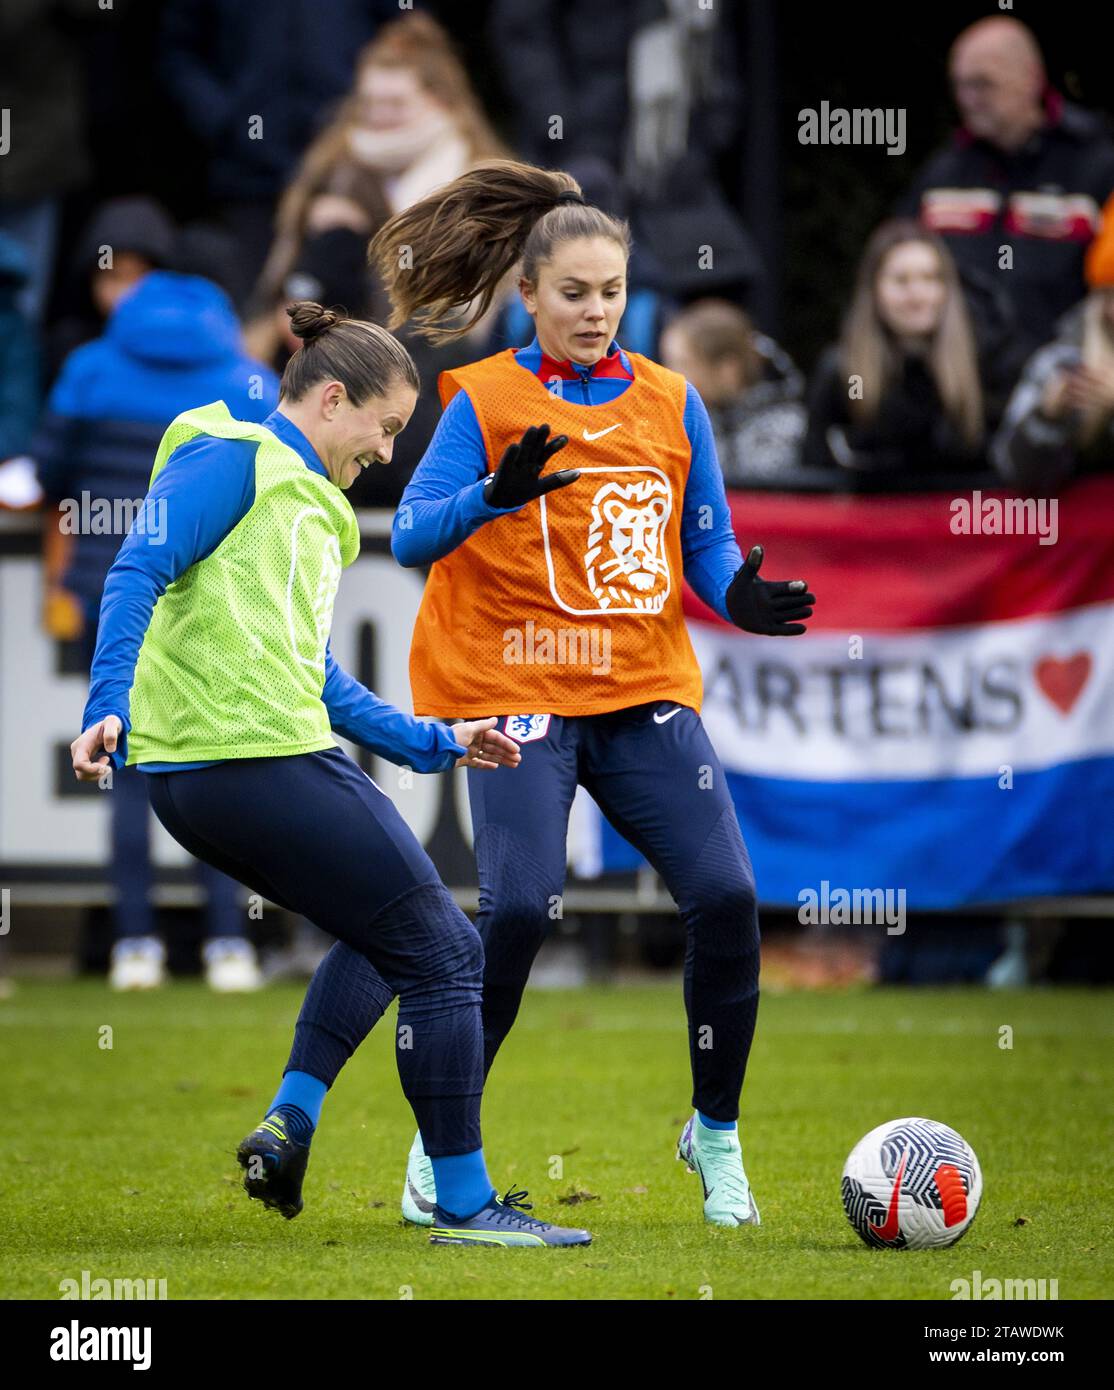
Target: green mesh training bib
233 663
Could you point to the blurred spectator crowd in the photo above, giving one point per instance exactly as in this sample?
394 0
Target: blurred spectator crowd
977 342
978 333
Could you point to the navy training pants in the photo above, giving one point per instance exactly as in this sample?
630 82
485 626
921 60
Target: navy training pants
314 834
654 774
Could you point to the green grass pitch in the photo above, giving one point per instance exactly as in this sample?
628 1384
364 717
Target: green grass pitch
120 1161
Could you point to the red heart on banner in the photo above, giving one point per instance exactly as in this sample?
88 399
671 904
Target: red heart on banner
1061 681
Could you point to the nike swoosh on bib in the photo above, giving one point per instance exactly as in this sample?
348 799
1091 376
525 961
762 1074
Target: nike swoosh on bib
598 434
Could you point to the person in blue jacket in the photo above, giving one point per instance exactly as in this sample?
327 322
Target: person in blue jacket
173 342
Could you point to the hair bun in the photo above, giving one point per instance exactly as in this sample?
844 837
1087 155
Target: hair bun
309 320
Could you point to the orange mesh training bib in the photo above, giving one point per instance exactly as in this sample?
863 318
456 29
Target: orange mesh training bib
571 605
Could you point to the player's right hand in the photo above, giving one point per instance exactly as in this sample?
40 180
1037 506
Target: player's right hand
518 478
102 736
487 747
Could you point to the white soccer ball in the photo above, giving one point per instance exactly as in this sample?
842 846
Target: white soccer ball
911 1184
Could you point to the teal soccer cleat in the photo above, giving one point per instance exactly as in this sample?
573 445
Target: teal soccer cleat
419 1192
717 1156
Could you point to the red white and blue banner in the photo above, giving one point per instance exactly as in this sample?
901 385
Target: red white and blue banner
946 726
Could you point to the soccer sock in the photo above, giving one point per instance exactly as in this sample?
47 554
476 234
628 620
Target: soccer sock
463 1186
299 1101
716 1124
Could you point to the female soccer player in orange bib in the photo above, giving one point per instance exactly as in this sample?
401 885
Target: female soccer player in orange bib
558 591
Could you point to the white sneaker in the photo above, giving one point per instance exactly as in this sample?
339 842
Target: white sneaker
231 966
138 962
419 1195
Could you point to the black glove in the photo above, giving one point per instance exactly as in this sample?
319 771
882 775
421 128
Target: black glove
773 608
518 478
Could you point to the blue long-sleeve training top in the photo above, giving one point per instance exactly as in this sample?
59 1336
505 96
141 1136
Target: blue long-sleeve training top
205 489
444 503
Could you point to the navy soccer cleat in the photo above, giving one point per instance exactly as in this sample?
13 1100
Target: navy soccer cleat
274 1166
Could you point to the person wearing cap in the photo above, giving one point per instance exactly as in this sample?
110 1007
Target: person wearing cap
124 240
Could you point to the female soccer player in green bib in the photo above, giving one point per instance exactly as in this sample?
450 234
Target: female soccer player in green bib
213 673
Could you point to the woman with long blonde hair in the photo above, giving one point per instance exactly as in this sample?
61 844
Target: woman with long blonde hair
900 395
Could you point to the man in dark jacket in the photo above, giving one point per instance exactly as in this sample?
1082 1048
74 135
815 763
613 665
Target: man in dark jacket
1026 171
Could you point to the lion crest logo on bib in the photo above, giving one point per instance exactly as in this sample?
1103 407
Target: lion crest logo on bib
622 565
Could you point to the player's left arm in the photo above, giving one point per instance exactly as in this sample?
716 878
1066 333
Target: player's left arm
713 563
357 714
708 545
